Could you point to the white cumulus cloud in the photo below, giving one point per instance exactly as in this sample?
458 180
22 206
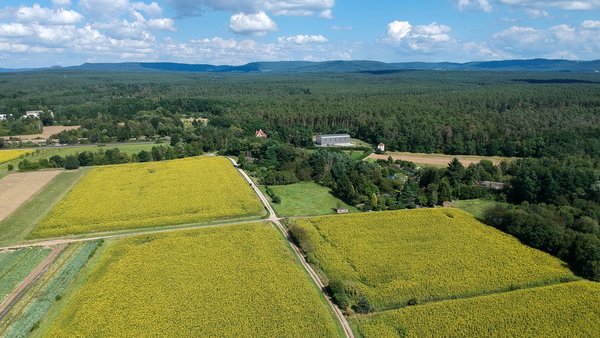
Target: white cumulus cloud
152 9
162 24
483 5
105 8
322 8
254 24
39 14
302 39
576 42
533 8
398 30
423 39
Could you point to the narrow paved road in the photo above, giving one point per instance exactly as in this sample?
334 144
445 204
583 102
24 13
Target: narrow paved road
273 218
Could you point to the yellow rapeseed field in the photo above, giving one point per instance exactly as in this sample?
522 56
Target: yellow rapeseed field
425 255
564 310
8 155
231 281
191 190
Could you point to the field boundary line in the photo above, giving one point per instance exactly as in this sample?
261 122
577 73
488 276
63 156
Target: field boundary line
157 230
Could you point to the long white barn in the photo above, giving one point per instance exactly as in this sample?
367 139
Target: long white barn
333 140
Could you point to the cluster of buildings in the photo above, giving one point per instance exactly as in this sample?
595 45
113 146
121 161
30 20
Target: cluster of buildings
31 114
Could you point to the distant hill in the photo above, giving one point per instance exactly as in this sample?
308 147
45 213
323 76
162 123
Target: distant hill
374 67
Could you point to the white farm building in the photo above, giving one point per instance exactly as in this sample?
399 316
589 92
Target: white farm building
334 140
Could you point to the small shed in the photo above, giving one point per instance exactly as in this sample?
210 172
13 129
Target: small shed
381 147
342 211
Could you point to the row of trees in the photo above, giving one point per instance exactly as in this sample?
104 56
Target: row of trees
102 157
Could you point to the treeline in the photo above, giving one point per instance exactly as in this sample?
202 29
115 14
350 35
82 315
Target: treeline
103 157
556 181
18 126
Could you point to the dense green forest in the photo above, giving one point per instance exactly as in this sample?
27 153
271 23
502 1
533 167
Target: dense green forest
551 198
510 114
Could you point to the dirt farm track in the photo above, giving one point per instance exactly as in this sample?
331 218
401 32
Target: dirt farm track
16 189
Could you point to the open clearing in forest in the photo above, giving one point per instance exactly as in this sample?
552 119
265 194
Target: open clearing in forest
45 134
306 199
424 255
436 160
143 195
232 281
563 310
16 189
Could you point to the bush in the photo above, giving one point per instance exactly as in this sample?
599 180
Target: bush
299 236
280 178
71 162
274 197
363 306
339 295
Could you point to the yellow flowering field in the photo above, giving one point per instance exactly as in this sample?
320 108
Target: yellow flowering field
191 190
229 281
8 155
424 255
563 310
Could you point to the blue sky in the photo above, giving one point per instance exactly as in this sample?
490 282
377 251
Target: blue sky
69 32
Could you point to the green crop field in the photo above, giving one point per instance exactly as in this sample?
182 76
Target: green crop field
424 255
231 281
564 310
16 265
191 190
33 306
306 199
475 207
19 224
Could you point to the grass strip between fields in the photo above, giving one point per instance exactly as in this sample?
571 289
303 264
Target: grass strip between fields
16 265
17 226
